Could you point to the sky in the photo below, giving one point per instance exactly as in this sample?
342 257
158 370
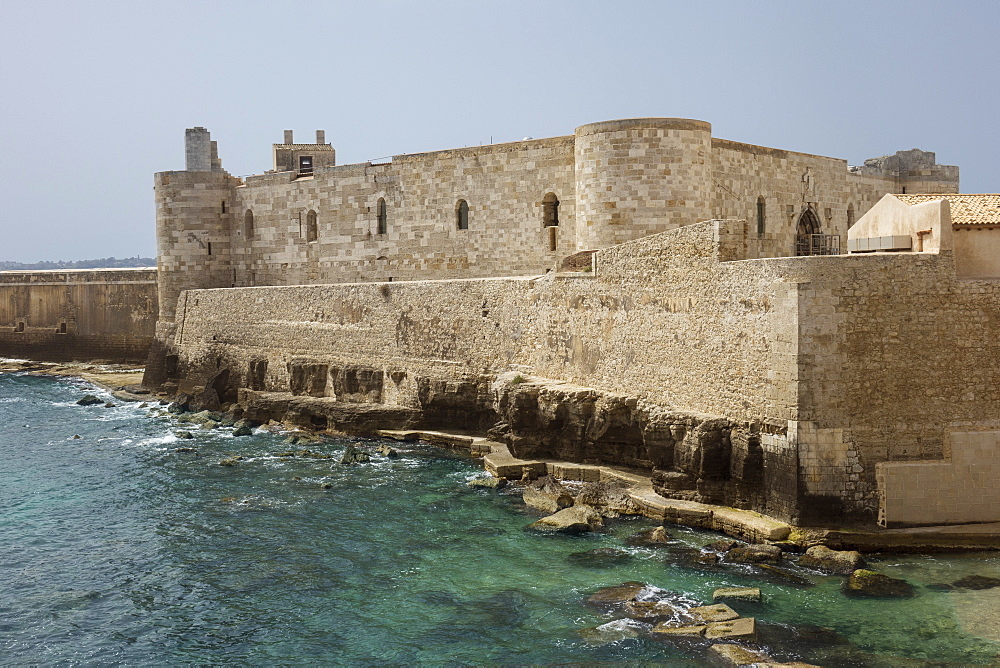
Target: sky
96 95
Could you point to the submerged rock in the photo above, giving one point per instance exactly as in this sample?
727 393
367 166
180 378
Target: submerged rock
841 562
185 449
652 611
110 404
973 582
353 455
610 598
89 400
869 583
231 461
547 494
578 519
603 557
737 594
754 554
613 631
781 576
654 537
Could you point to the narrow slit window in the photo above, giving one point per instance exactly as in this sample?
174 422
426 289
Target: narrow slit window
223 206
209 247
761 216
462 215
382 217
312 229
850 215
248 224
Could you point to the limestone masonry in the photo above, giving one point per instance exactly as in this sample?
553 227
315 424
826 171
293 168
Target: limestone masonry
759 328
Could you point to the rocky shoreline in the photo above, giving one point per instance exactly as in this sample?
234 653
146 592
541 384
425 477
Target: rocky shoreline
124 383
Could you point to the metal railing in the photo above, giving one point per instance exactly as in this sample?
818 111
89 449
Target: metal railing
817 244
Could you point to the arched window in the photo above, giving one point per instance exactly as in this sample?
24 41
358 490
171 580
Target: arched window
383 221
248 224
807 227
312 231
761 216
462 215
550 210
850 215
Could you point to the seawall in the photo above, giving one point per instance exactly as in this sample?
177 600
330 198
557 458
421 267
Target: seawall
90 314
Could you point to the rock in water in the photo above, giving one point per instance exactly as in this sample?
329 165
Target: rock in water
184 434
735 655
613 631
391 453
736 594
231 461
610 598
89 400
242 429
578 519
655 537
841 562
754 554
488 482
547 494
705 614
609 498
869 583
354 456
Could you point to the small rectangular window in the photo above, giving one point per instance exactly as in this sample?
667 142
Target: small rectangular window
223 206
209 247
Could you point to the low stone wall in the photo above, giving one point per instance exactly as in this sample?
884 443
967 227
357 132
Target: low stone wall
94 314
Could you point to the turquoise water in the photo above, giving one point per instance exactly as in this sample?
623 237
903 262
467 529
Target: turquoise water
116 548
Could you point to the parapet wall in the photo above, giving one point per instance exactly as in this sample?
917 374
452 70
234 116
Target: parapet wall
94 314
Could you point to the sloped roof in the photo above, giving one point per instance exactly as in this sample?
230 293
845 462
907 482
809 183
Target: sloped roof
966 210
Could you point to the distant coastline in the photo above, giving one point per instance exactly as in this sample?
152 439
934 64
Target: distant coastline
100 263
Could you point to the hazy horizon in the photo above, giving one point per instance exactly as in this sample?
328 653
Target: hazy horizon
99 95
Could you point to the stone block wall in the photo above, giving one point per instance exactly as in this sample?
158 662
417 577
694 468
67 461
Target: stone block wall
81 315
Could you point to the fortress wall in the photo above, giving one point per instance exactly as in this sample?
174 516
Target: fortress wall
503 184
788 182
660 321
106 314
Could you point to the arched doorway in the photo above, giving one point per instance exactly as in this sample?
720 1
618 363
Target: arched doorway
807 226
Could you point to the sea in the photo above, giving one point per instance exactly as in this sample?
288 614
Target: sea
122 543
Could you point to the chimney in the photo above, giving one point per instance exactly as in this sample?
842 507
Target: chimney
321 136
288 137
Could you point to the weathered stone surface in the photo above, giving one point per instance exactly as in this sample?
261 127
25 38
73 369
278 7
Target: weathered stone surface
577 519
488 482
89 400
547 494
719 612
744 628
650 611
723 545
387 451
353 455
736 594
735 656
781 576
668 630
871 584
231 461
754 554
841 562
610 498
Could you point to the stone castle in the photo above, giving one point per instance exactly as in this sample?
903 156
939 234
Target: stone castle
756 327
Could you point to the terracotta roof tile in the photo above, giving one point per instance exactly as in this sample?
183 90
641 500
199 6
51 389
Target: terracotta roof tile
965 209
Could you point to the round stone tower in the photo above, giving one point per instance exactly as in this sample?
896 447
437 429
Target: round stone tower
192 238
639 176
